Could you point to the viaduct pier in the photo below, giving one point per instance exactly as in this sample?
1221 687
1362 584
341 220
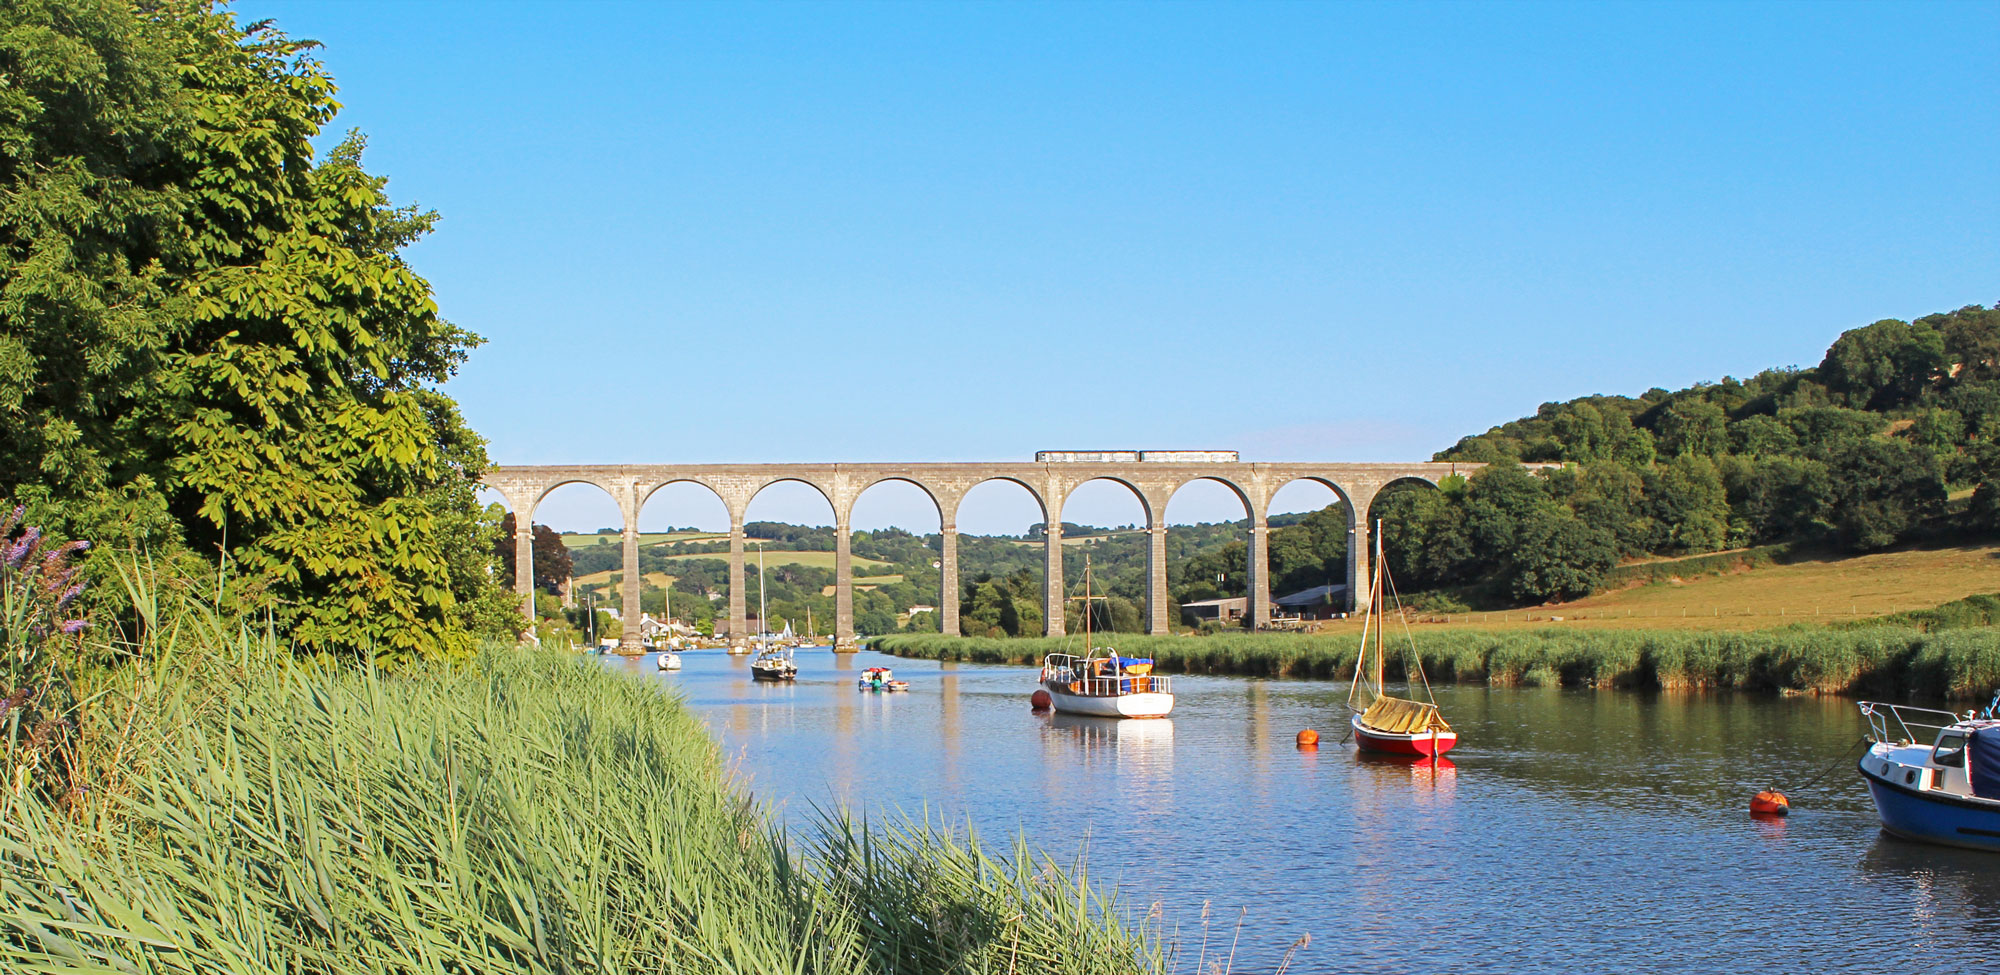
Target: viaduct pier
1152 477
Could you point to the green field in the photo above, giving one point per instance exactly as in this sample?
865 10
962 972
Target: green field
1808 590
817 560
656 580
575 540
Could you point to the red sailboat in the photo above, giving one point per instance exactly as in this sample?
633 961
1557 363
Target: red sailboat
1381 722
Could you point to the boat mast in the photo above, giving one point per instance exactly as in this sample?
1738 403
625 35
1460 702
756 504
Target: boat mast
1375 600
1086 604
763 624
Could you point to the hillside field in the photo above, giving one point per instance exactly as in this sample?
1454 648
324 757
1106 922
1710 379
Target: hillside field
1819 590
657 580
576 540
772 559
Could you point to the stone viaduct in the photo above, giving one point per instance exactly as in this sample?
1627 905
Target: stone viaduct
1152 477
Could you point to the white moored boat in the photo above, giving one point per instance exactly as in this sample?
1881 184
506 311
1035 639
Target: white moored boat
1101 683
1108 686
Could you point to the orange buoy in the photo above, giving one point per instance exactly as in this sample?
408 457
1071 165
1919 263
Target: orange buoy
1308 739
1041 700
1770 802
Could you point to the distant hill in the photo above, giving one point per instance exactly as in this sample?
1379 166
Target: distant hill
1893 437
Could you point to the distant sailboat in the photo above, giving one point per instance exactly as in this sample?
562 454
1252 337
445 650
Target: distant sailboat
773 662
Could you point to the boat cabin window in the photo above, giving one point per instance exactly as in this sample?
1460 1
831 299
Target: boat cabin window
1950 750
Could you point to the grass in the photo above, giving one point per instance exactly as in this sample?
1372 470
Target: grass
776 557
1880 660
1759 589
573 540
520 813
657 580
864 583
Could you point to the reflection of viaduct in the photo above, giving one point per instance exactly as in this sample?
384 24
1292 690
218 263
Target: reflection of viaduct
1049 483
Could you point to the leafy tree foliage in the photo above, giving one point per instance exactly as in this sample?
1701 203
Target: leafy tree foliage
1857 452
1885 364
208 336
1560 556
553 565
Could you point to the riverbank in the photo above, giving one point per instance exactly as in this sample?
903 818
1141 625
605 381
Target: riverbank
1884 660
521 812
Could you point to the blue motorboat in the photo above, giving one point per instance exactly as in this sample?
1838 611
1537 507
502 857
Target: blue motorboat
1935 775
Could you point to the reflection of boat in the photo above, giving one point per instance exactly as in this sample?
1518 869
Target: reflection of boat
1934 776
881 679
670 660
1112 731
1108 686
1392 725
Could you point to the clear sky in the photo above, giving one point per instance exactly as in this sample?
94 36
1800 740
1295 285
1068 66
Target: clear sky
834 232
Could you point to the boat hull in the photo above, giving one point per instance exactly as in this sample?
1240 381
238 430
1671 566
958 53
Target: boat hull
1423 745
1140 705
772 675
1930 816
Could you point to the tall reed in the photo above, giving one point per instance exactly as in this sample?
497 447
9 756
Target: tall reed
521 813
1888 660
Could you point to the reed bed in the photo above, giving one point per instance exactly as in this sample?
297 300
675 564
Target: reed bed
521 813
1877 660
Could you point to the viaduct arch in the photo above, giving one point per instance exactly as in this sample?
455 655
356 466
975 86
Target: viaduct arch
1049 481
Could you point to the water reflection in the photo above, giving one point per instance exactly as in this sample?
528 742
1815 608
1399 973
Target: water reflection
1601 830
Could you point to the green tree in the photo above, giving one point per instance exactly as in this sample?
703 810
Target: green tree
1687 504
201 318
1693 426
1781 497
1885 364
1763 435
1821 430
1971 340
1498 498
1560 556
553 565
1425 537
1882 489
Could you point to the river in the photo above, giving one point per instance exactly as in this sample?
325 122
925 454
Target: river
1574 830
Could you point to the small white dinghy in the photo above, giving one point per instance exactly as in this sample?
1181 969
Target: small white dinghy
669 660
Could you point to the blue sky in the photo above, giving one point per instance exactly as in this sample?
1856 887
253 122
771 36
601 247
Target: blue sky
828 232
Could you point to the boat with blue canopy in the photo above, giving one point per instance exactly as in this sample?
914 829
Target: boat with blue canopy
1935 775
1103 683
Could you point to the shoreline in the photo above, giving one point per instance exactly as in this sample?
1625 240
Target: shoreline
1888 660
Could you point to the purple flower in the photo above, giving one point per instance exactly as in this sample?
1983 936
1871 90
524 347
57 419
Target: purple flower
18 553
14 518
56 577
69 595
74 626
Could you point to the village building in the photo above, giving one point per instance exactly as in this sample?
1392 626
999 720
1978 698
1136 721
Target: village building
1317 603
1227 610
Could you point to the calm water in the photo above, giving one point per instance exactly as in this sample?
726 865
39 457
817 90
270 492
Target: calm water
1578 830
